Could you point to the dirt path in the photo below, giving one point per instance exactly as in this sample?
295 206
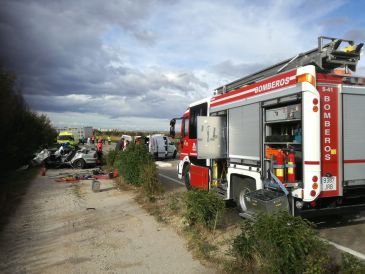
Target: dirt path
66 228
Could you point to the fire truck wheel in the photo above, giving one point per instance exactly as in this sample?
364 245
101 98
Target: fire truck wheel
186 176
248 185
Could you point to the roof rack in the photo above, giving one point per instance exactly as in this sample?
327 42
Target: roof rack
325 57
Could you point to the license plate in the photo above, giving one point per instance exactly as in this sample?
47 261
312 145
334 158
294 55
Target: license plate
328 183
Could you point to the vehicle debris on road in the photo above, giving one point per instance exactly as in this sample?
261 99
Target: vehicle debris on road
95 174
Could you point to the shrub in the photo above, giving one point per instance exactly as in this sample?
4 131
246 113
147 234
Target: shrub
110 157
151 185
23 131
243 247
136 166
132 162
280 243
352 265
203 208
118 158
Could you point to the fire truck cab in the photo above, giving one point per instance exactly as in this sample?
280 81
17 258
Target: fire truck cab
288 137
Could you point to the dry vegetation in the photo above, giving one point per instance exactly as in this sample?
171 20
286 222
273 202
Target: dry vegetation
218 237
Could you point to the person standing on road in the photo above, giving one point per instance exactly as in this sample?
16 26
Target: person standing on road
109 140
99 151
120 144
93 139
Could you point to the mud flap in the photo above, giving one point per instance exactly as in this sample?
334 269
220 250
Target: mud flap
199 177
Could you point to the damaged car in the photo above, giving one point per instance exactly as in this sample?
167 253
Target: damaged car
78 157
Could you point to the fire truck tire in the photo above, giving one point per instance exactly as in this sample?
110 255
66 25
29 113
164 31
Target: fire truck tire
186 176
247 185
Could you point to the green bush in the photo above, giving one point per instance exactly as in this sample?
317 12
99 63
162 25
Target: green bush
243 247
203 208
352 265
151 185
136 166
132 162
280 243
110 158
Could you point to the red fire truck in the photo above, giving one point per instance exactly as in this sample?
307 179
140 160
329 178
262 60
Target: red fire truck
291 136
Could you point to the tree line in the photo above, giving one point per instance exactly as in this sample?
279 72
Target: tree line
116 132
22 131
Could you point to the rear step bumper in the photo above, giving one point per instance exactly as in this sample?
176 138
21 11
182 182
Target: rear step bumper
342 210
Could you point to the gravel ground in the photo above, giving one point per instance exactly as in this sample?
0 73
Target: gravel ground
67 228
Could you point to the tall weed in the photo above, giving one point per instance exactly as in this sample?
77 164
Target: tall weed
203 208
280 243
151 185
352 265
137 167
110 157
131 163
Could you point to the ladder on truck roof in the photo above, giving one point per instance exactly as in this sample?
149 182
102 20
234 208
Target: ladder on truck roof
325 57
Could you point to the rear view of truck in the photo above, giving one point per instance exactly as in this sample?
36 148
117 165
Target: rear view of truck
342 144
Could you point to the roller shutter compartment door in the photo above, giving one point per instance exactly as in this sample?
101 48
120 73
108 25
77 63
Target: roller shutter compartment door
354 136
244 132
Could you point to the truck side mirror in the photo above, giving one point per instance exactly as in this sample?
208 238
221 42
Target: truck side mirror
172 128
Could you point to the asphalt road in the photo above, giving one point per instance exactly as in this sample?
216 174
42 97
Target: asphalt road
168 175
346 233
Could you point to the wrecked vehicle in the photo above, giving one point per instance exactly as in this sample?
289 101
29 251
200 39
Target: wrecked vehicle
79 157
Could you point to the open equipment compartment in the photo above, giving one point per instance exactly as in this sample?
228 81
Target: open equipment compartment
282 139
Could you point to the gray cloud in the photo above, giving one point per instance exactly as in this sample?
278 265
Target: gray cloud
58 50
337 21
356 34
231 71
60 42
147 58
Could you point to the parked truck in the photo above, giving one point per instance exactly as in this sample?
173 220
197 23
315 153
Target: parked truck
160 146
290 136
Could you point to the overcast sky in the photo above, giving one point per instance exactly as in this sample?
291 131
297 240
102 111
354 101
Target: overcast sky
135 64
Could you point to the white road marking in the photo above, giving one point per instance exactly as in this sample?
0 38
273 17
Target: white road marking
346 249
163 164
172 179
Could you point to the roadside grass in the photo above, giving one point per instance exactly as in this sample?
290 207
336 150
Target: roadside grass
276 255
13 186
218 237
208 245
352 265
